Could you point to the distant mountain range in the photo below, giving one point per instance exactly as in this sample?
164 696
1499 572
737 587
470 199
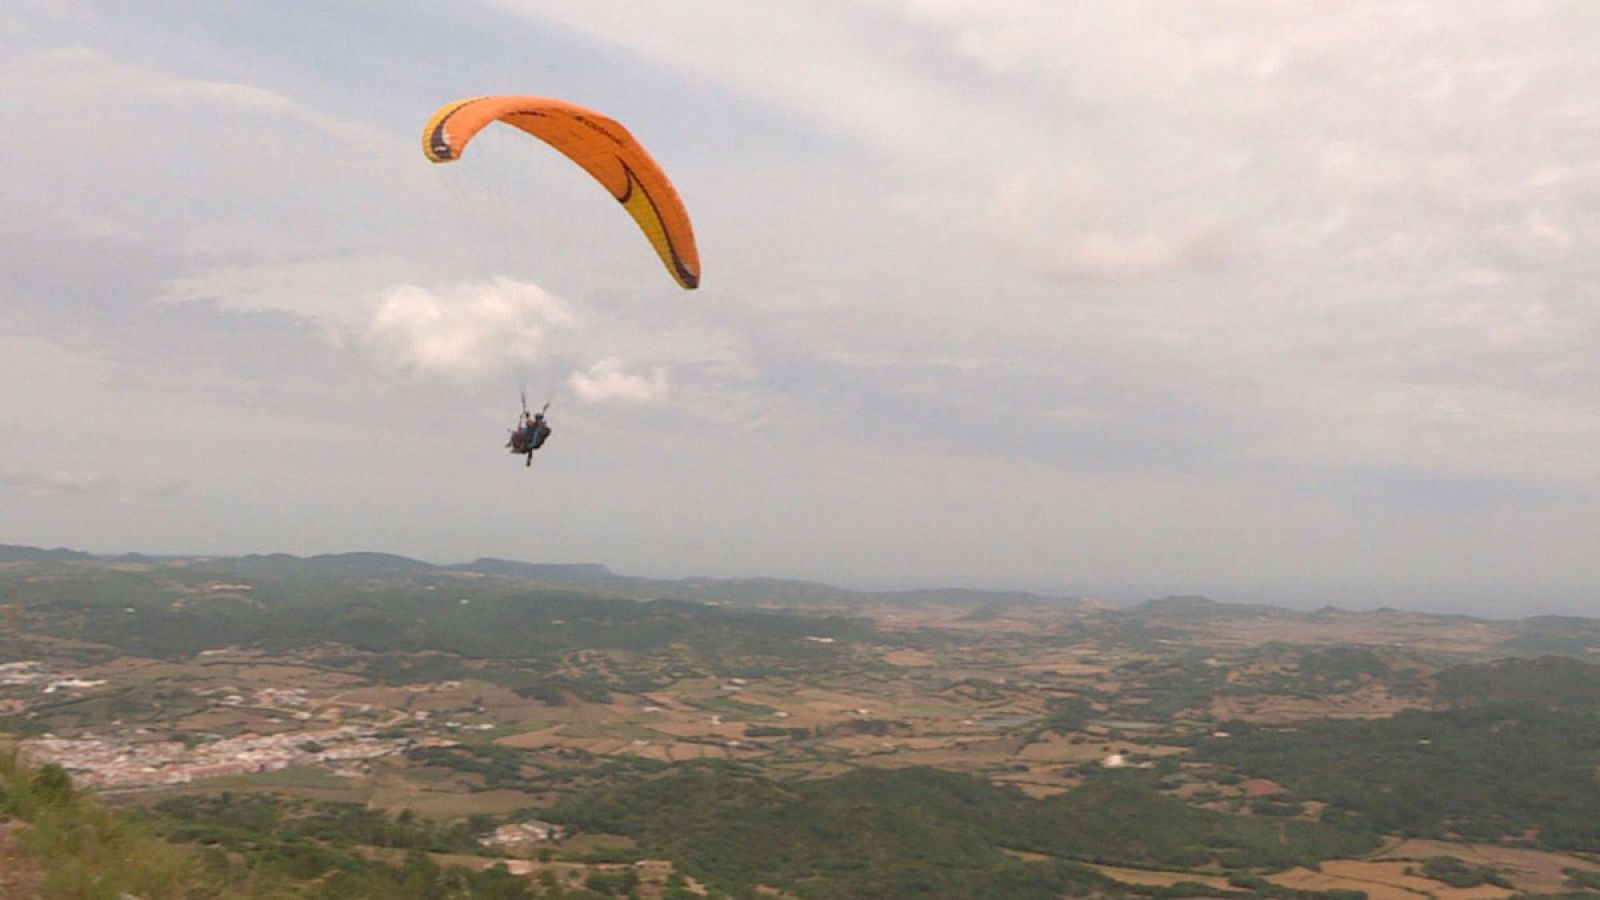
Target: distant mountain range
12 553
709 603
588 576
1538 634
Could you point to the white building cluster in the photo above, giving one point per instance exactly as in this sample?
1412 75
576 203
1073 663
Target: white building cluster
31 673
513 837
119 763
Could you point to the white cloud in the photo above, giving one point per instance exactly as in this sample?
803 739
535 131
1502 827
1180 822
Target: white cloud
1101 254
336 290
465 331
86 78
1058 224
56 481
609 381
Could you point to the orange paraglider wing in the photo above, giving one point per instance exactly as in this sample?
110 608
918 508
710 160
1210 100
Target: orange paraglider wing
601 146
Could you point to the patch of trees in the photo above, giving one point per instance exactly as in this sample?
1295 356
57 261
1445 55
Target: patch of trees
556 690
497 765
277 844
766 731
1456 873
403 668
1318 671
1157 689
1481 773
1067 714
1553 682
984 690
242 822
420 878
729 707
873 727
1120 817
926 832
1582 879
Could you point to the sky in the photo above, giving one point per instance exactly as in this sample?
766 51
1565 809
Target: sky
1282 302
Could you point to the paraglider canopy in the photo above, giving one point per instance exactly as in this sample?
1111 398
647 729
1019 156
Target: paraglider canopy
601 146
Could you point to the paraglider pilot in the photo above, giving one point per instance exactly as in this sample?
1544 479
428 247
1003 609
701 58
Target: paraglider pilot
530 434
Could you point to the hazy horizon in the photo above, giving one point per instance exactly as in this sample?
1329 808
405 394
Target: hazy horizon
1121 595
